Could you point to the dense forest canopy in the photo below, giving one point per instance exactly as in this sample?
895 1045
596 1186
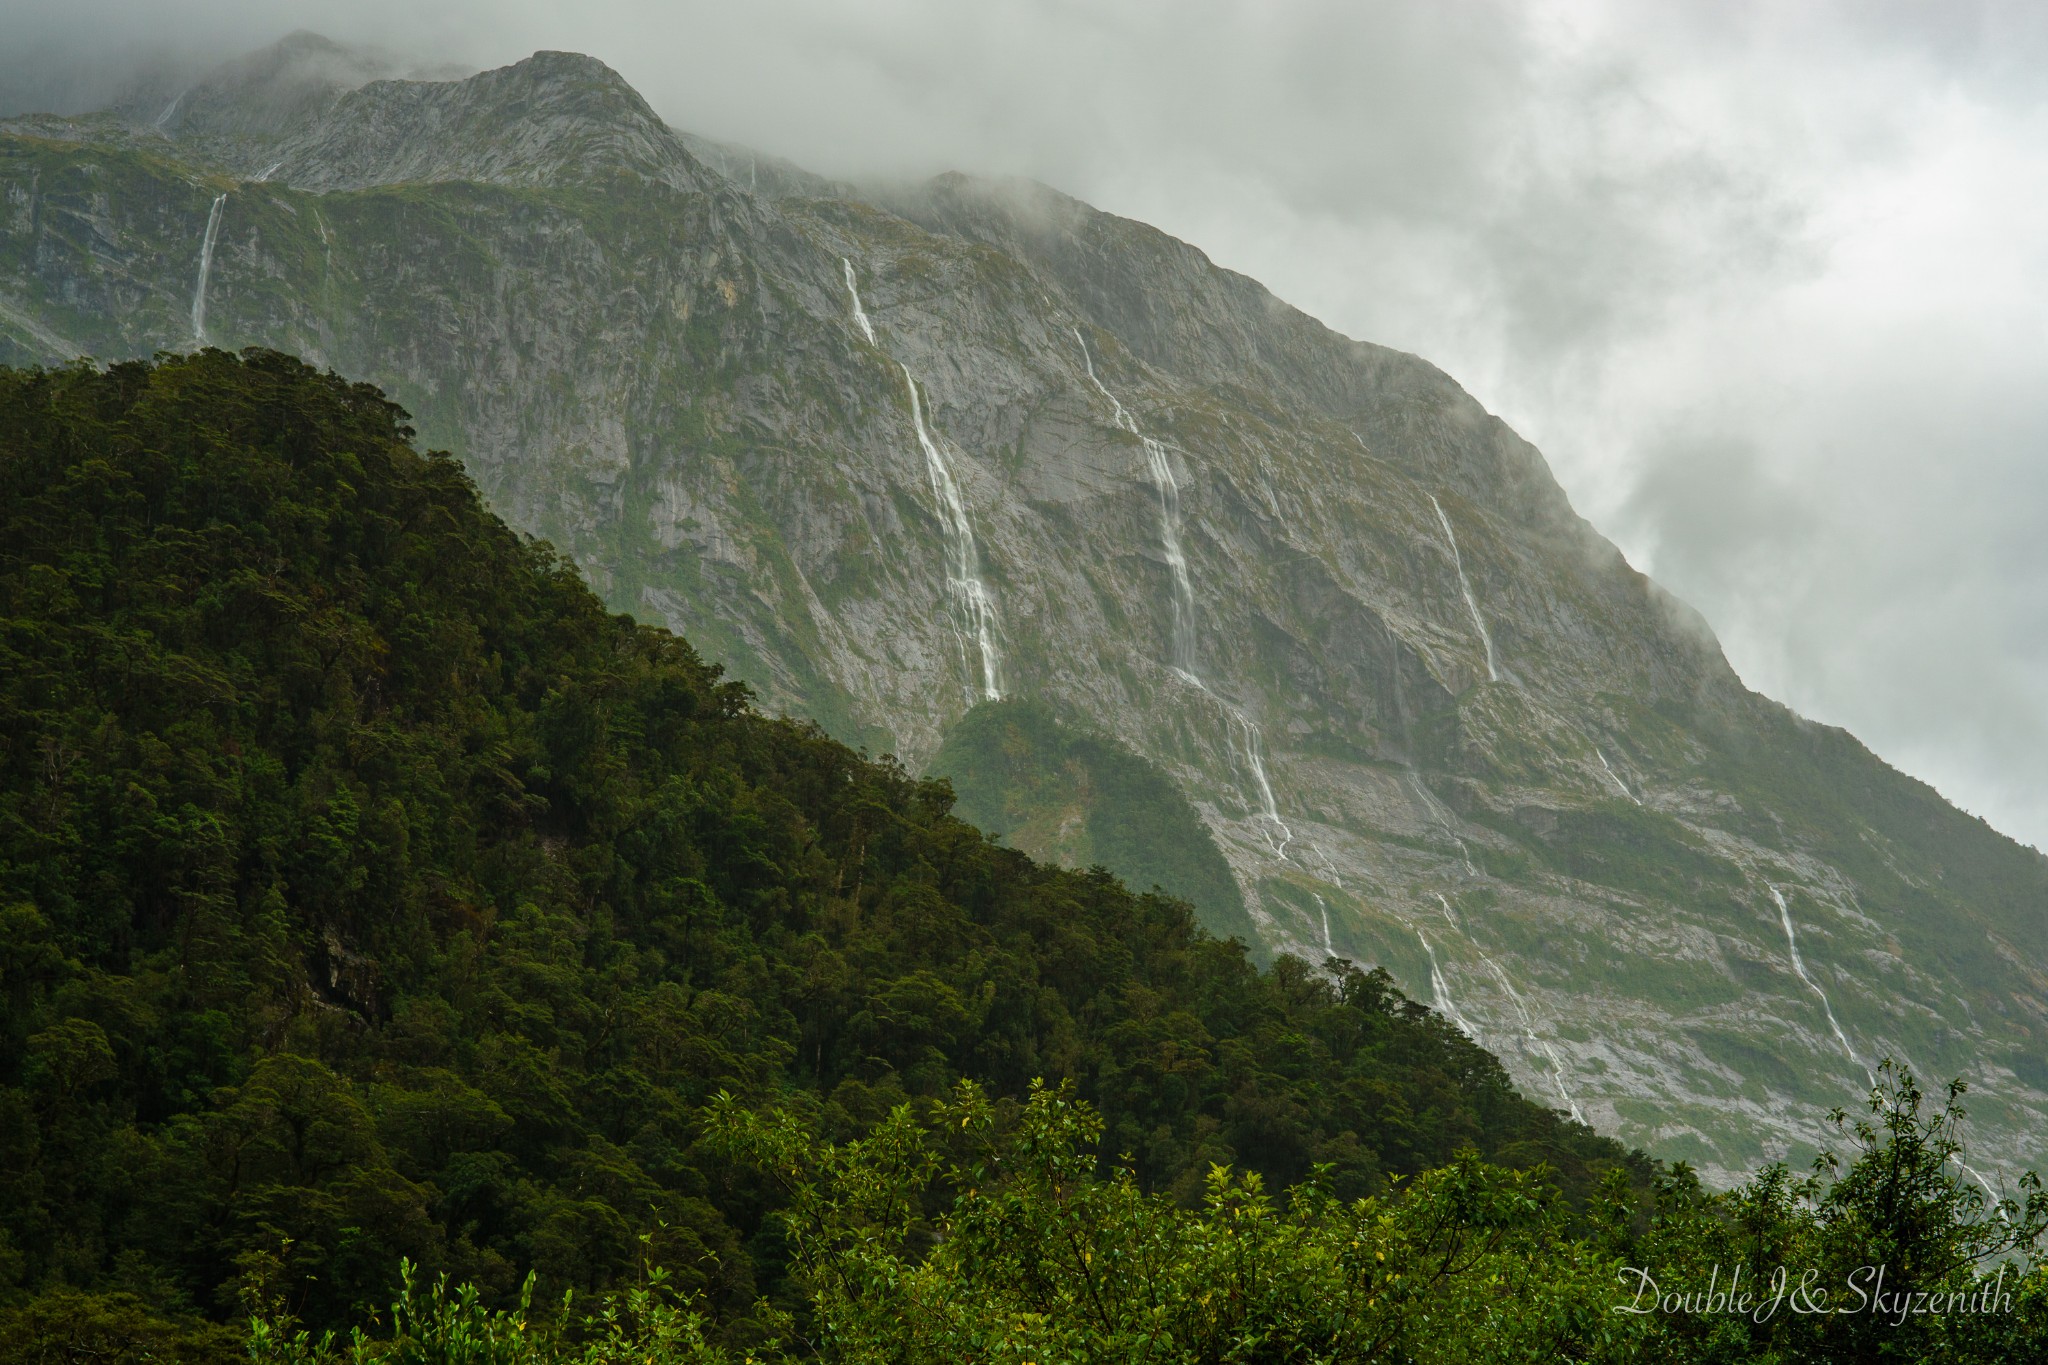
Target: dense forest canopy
368 892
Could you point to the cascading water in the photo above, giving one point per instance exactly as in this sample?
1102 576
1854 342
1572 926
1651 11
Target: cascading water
1329 945
1329 868
1440 992
860 316
1255 760
963 558
1616 780
1799 967
1161 470
963 574
268 171
1181 658
1465 586
205 271
1443 819
1528 1023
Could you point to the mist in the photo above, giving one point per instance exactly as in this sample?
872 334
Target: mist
1768 283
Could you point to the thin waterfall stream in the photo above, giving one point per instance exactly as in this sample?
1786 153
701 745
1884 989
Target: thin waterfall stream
977 606
1465 586
205 271
963 569
1443 819
860 315
1521 1008
1181 643
1615 778
1799 967
1440 991
1160 468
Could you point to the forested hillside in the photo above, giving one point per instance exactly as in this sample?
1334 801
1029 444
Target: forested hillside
370 892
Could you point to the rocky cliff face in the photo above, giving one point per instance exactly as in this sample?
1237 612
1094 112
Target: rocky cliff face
890 452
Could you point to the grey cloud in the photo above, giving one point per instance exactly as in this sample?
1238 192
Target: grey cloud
1710 513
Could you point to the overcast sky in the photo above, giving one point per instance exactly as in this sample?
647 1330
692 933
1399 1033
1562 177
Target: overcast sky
1767 282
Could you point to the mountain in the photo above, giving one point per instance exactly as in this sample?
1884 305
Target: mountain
891 452
368 891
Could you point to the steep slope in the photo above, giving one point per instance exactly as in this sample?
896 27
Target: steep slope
367 890
886 454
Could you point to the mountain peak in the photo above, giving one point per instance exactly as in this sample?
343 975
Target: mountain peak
553 117
553 63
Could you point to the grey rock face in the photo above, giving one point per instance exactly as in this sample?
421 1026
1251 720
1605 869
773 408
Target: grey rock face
644 348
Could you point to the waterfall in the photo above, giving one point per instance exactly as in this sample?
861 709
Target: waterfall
1440 992
1253 751
1329 868
1443 819
268 171
963 574
1799 966
1465 586
1181 656
1612 777
1329 944
963 558
1255 760
1528 1023
1160 468
859 315
171 108
205 270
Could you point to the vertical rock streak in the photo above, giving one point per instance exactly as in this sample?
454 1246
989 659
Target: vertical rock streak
1465 587
963 559
1181 645
205 271
1799 967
